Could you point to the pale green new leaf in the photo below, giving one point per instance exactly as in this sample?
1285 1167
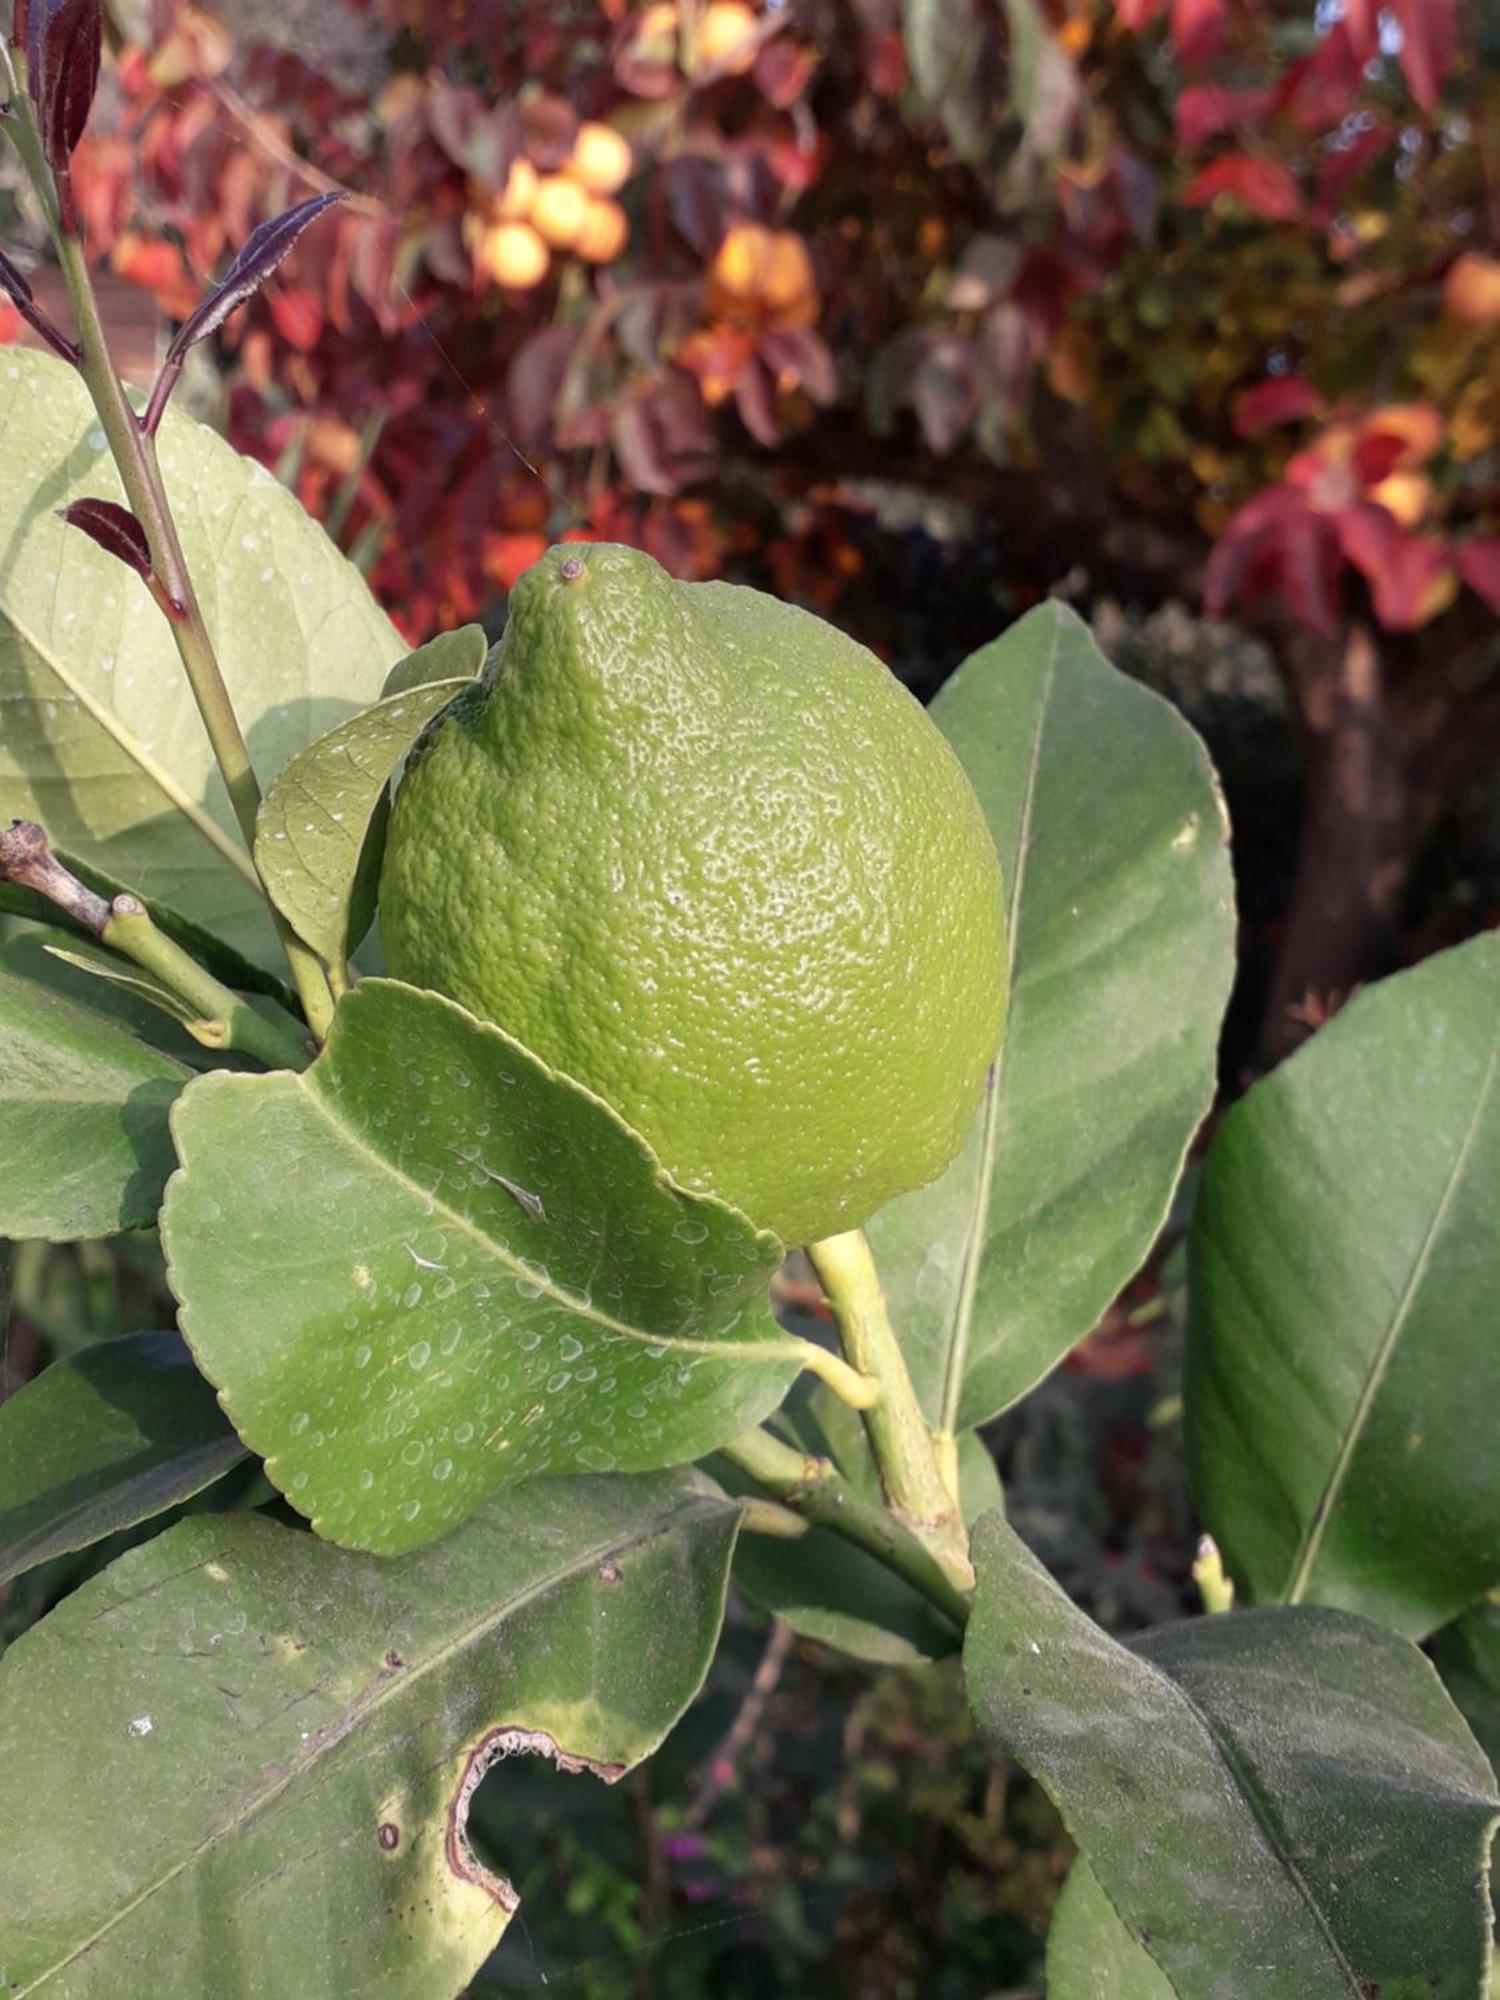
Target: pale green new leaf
101 1440
1343 1366
429 1267
84 1144
239 1761
311 831
1280 1804
1112 836
102 742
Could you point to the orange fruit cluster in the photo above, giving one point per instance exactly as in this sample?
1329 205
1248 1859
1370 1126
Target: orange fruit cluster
723 40
764 278
572 211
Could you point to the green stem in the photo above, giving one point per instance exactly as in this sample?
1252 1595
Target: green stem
898 1433
815 1489
134 452
221 1019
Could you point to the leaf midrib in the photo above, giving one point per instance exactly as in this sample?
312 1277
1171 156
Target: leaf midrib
961 1326
751 1350
1316 1531
115 729
360 1712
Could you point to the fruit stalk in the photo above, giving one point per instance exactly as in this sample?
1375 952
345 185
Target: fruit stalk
815 1489
134 451
897 1429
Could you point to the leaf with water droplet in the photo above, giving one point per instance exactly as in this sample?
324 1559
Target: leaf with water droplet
293 1302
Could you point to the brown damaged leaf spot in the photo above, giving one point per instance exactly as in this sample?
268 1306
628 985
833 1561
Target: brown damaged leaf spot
494 1745
609 1571
389 1836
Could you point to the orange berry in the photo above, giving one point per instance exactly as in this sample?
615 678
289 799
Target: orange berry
788 282
601 159
604 231
513 254
728 38
1471 290
739 264
559 209
1406 495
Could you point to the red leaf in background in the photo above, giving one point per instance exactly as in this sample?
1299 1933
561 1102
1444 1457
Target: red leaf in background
799 359
1320 91
11 323
885 64
508 557
1265 186
1479 566
1281 399
1343 164
1137 15
299 318
1277 546
755 399
1197 30
1429 44
783 70
1362 25
1411 577
1206 109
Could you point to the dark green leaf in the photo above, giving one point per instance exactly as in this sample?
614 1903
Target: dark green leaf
240 1761
429 1267
451 656
1281 1804
1467 1655
1343 1369
84 1144
109 1437
1112 835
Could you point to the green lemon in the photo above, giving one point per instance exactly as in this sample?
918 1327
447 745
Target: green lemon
703 853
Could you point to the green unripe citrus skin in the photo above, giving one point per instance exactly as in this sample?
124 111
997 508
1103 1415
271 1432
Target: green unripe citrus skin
703 853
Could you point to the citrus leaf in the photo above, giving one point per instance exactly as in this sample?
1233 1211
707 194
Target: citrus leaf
1090 1953
429 1267
822 1585
1112 836
102 1440
1467 1655
311 831
248 1756
1247 1788
102 740
451 656
84 1145
1344 1293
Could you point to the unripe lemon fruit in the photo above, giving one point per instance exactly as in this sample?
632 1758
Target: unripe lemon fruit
513 254
727 38
703 853
602 237
558 210
601 159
